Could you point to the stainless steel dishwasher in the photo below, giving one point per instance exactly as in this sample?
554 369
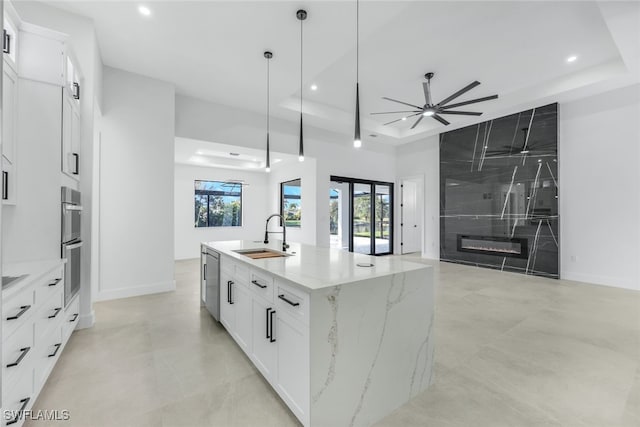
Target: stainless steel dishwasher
212 287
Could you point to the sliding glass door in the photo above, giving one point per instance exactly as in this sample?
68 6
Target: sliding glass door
361 215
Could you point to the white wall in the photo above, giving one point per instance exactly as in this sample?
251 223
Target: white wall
254 208
137 185
423 158
599 170
287 171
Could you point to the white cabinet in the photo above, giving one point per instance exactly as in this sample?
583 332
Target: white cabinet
35 328
9 116
264 348
274 334
70 136
292 378
41 55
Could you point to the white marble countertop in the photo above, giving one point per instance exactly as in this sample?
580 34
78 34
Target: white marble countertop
29 270
314 267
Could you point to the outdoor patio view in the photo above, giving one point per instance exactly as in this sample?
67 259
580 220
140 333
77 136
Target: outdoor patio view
291 202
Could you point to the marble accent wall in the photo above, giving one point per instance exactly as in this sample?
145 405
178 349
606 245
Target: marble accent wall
372 347
499 190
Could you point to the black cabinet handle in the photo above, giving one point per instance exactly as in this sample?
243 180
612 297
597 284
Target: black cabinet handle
76 90
229 291
18 416
57 346
205 271
55 282
57 310
267 323
271 337
5 185
24 351
75 316
255 282
22 311
283 298
76 156
6 42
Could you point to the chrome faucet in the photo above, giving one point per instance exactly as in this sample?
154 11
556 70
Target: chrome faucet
285 246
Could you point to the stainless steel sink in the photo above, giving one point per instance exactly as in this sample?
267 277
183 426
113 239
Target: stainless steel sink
261 253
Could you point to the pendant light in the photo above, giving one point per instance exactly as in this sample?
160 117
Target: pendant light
268 55
357 142
301 15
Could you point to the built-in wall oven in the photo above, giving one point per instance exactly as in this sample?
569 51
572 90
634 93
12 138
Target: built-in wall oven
71 241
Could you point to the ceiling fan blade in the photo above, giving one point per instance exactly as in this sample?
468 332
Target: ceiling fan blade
394 112
440 119
472 101
397 120
400 102
427 92
465 89
417 121
461 113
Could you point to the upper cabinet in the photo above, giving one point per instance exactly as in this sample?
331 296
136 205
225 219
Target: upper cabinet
9 109
71 129
42 55
9 41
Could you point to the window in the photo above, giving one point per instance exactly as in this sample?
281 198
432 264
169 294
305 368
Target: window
290 202
218 204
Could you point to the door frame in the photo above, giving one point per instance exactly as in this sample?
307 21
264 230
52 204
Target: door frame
372 183
419 179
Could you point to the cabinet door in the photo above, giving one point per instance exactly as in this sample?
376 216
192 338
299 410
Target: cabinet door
8 181
227 308
70 137
9 108
243 328
293 363
265 350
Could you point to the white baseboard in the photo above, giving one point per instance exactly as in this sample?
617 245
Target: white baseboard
134 291
86 320
614 282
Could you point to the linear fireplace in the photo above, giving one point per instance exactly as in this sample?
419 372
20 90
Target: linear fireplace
493 245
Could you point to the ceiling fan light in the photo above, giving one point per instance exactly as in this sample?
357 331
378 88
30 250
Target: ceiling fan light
428 113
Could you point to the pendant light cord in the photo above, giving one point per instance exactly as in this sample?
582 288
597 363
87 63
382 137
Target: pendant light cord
357 41
268 82
301 62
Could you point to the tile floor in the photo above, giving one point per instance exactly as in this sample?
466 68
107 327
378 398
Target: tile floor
511 350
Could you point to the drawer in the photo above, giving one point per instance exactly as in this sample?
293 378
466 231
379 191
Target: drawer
49 285
16 398
17 311
48 352
238 271
71 314
17 353
293 301
50 313
261 284
226 264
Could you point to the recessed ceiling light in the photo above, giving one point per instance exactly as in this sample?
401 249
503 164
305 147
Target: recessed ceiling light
314 87
572 58
144 10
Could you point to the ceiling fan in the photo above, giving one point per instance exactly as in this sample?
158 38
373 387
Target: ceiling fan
429 109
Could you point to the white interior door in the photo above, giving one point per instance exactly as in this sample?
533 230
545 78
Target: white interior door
410 221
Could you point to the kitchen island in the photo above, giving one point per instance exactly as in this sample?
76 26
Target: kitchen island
343 338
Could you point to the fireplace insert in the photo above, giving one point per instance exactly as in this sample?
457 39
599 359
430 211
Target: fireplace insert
494 245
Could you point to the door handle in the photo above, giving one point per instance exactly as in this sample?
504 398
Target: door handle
267 323
57 346
15 419
22 311
23 353
271 337
57 310
5 185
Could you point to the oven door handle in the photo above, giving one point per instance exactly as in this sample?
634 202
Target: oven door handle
73 246
70 207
